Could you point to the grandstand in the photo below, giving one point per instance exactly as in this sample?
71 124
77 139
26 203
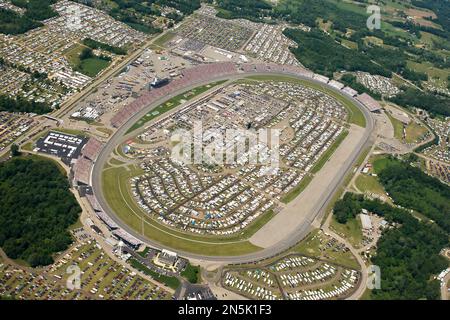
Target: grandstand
351 92
91 149
202 73
101 215
370 103
127 238
82 171
110 224
94 203
190 77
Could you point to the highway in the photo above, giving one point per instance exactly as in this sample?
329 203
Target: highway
291 239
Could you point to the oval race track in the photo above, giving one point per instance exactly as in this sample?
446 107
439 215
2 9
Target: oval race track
290 239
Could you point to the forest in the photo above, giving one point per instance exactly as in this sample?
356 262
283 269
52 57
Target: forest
36 9
411 188
13 23
307 12
254 10
433 103
440 7
323 55
138 13
37 209
294 11
407 254
394 60
187 7
315 45
20 104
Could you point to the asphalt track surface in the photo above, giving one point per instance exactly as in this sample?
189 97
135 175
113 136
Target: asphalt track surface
290 239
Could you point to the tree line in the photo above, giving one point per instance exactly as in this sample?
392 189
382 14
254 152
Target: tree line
253 10
414 98
38 10
93 44
20 104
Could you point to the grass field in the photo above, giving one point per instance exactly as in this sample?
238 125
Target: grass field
367 295
105 131
352 230
370 184
398 127
162 40
76 225
327 155
117 192
71 131
171 282
27 147
115 162
73 54
173 103
440 75
90 67
297 190
379 163
314 245
414 132
191 273
349 44
355 114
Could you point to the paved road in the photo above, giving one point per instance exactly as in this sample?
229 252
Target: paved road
290 240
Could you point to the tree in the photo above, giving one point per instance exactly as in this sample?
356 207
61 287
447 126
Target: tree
15 150
86 53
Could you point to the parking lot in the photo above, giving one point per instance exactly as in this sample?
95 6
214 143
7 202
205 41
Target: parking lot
207 29
65 146
12 126
101 278
293 277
